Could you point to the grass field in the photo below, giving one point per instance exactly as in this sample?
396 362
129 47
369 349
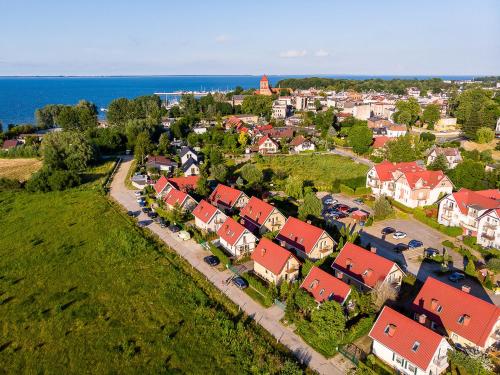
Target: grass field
321 170
82 290
19 169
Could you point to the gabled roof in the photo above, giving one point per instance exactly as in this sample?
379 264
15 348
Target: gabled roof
257 211
10 143
386 168
264 139
401 335
446 151
161 160
271 256
455 305
298 140
363 265
380 141
264 78
160 184
188 164
204 211
324 286
225 195
429 179
481 200
231 231
185 150
184 183
174 197
233 120
300 235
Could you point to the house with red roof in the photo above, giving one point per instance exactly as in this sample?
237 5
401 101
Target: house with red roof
161 163
467 320
407 346
208 218
408 183
366 269
228 199
10 143
476 212
274 263
185 184
261 217
267 145
235 238
305 239
300 144
325 287
176 198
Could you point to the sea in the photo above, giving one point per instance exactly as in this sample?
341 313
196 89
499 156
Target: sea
21 96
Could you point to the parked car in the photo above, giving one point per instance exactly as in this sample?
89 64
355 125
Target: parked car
211 260
130 213
398 235
400 247
142 204
138 193
240 282
359 200
341 215
163 223
330 201
431 252
415 244
456 276
341 207
184 235
173 228
388 230
146 210
352 209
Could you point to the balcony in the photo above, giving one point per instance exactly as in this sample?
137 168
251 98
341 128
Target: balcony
490 226
325 250
292 270
488 235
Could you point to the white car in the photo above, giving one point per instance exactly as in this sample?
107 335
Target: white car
138 193
139 200
184 235
398 235
330 201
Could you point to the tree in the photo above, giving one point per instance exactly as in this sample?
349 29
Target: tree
405 148
407 111
324 121
243 139
382 208
258 105
472 125
317 105
474 108
381 293
251 174
311 207
202 185
143 147
66 151
163 145
439 164
219 172
294 187
470 175
484 135
431 115
360 138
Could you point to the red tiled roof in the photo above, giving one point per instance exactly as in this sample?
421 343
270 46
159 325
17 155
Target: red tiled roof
225 195
265 138
485 199
299 234
264 127
297 141
324 286
386 168
204 211
455 304
184 183
257 211
380 141
363 265
233 120
264 78
10 143
230 231
397 128
160 184
430 179
271 256
402 335
174 197
159 159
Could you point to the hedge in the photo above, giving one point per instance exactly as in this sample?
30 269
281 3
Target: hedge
220 254
401 206
450 231
259 286
363 190
359 329
346 189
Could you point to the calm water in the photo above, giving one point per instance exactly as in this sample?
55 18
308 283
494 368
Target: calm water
21 96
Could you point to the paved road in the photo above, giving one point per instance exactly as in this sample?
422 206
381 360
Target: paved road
268 318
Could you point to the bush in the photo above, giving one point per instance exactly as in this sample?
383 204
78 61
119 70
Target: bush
450 231
401 207
485 135
346 189
382 208
428 137
359 329
51 180
363 191
256 283
8 184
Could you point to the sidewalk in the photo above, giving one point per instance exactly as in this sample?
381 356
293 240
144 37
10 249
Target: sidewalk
268 318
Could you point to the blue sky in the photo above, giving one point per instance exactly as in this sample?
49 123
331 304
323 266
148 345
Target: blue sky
249 37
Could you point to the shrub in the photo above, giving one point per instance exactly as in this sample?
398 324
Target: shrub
493 265
363 191
429 137
450 231
47 180
257 284
224 259
485 135
359 329
382 208
401 206
346 189
8 184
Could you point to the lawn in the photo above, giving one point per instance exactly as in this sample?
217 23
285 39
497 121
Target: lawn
83 290
19 169
320 170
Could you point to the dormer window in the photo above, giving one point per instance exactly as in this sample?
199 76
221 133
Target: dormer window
322 291
439 308
415 346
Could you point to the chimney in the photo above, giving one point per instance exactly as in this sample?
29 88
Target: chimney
263 251
308 222
265 199
434 303
391 330
466 320
340 275
422 318
373 250
466 288
282 243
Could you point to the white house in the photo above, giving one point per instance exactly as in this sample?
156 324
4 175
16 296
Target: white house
267 145
190 168
452 155
208 218
407 346
299 144
188 153
179 198
394 131
235 238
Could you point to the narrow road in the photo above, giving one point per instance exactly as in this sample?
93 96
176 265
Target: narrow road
268 318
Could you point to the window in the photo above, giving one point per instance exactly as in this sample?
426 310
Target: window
433 325
386 330
399 360
321 292
415 346
461 319
412 368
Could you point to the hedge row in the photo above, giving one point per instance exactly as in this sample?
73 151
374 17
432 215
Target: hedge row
450 231
362 190
259 286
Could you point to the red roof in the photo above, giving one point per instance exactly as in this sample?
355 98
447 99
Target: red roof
397 128
10 143
257 211
271 256
484 199
204 211
233 120
297 141
324 286
174 197
264 127
300 235
264 78
429 179
159 159
363 265
386 168
184 183
265 138
225 195
160 184
402 336
380 141
230 231
455 304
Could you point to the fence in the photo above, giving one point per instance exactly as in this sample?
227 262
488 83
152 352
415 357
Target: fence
353 353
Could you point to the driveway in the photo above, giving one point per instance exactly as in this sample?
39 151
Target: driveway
268 318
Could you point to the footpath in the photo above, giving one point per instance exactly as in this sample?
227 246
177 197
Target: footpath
192 252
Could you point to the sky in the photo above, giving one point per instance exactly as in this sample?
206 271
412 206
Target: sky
165 37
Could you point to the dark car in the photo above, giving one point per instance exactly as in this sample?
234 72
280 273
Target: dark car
400 247
343 207
388 230
130 213
456 277
341 215
146 210
142 204
351 210
240 282
359 200
152 215
163 223
174 228
211 260
415 244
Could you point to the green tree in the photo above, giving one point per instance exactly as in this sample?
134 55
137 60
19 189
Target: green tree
66 151
360 138
382 208
470 175
163 145
219 172
143 147
431 115
243 139
484 135
407 111
251 174
439 164
474 108
258 105
405 148
202 185
294 187
311 207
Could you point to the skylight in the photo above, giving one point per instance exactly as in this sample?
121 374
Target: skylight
415 347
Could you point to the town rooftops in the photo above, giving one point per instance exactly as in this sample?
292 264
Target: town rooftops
446 151
160 185
204 211
184 183
362 265
406 337
174 197
481 200
324 286
225 195
257 211
457 311
380 141
300 235
231 231
297 141
385 169
271 256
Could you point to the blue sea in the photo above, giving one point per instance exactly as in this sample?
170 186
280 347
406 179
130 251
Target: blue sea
21 96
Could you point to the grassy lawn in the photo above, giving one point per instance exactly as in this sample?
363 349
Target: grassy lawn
19 169
321 170
83 290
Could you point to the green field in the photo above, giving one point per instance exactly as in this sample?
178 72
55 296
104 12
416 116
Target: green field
321 170
82 290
